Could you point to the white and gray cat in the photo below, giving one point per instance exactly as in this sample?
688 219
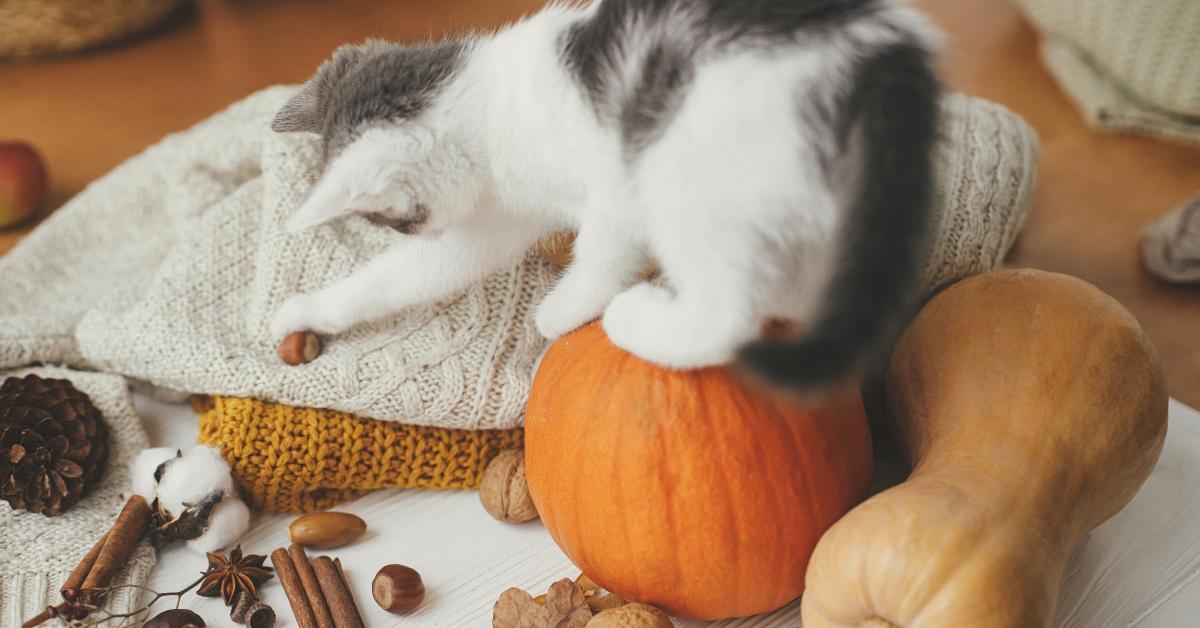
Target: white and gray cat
772 156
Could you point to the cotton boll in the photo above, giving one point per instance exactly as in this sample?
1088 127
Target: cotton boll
143 468
198 474
197 491
229 521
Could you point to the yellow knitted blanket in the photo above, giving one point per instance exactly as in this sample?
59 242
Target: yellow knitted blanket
291 459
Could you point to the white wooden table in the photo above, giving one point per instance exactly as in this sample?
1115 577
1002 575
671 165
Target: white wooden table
1138 569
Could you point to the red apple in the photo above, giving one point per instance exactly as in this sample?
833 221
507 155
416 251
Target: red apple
22 182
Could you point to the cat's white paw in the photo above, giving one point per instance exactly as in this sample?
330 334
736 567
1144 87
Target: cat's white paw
562 311
289 317
634 321
654 325
305 312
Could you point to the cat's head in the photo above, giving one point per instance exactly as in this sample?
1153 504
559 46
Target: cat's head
390 154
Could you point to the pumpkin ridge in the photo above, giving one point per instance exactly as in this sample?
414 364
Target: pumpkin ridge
670 516
732 522
798 441
743 407
618 481
583 449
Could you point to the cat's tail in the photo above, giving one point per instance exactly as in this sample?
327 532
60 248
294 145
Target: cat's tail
890 120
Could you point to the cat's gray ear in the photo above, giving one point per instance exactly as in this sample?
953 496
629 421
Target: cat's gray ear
305 111
301 113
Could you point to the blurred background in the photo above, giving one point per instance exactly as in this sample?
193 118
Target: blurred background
89 83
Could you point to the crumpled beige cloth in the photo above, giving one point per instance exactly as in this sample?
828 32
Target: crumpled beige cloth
1131 65
1171 245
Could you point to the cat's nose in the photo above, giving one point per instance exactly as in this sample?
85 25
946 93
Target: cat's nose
431 234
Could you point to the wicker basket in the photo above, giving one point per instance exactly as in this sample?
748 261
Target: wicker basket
37 27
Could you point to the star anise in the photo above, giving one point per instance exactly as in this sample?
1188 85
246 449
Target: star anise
226 577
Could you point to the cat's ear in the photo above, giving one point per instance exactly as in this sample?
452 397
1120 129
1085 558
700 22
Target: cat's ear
328 200
304 112
301 113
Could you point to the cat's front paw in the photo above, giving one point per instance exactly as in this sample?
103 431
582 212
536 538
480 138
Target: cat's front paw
305 312
634 320
656 326
562 311
290 317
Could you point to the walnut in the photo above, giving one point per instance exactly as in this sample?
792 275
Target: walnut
504 492
598 598
564 607
631 616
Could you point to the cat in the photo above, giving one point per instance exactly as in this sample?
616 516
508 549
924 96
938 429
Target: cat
773 157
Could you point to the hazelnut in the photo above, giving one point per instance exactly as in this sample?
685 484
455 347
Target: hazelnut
326 530
397 589
300 347
504 492
631 616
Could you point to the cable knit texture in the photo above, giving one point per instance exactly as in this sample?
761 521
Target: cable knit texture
168 270
302 459
1131 65
38 552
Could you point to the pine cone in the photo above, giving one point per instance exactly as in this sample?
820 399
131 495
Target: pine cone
53 444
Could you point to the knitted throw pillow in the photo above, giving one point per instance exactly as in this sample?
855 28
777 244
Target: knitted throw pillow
1132 65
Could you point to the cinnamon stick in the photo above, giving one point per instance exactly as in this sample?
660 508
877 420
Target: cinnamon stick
130 527
308 578
337 594
294 589
74 583
337 562
40 619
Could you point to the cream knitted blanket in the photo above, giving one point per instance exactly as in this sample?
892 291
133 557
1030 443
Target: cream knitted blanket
37 552
1131 65
169 268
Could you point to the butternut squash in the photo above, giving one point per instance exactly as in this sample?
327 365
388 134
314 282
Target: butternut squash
1032 407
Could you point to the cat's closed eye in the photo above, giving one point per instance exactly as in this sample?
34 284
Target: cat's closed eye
408 224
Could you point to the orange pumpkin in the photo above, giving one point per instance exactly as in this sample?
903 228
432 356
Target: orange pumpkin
687 490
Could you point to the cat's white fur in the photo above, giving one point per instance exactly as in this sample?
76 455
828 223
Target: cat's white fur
511 151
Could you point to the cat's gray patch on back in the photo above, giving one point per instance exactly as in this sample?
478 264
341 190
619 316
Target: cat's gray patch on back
661 40
818 110
667 69
368 84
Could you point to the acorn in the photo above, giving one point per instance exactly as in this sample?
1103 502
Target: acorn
326 529
397 589
175 618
